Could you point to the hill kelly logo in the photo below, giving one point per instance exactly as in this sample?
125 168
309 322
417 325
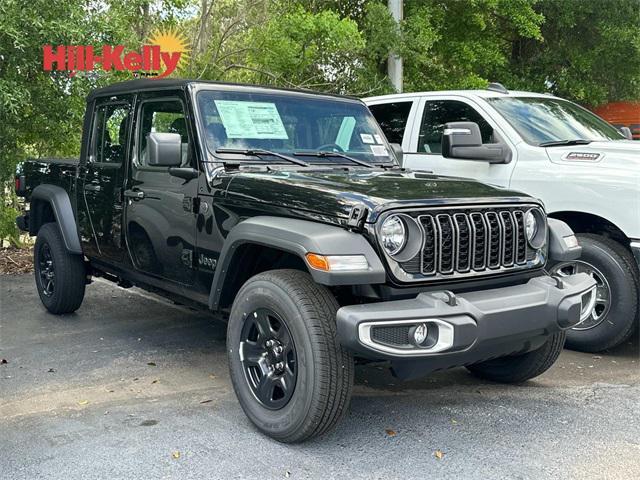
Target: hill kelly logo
164 53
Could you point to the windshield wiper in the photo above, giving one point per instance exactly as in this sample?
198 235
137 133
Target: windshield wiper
323 153
259 152
558 143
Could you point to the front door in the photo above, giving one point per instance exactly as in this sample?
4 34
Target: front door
160 218
425 152
101 180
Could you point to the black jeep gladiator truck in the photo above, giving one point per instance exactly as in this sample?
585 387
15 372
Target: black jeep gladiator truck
285 214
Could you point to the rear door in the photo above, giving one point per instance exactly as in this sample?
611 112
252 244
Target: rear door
101 176
396 118
160 218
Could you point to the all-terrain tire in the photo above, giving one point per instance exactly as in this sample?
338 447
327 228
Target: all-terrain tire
520 368
50 255
324 368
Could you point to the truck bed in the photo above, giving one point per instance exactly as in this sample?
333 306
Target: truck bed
53 171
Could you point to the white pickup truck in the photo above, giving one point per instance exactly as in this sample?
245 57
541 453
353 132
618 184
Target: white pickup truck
585 171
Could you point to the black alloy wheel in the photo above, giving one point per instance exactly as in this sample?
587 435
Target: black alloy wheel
268 356
46 270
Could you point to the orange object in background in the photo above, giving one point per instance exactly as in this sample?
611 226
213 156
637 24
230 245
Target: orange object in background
622 114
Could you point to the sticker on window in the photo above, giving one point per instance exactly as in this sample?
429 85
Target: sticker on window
379 150
366 138
251 120
378 139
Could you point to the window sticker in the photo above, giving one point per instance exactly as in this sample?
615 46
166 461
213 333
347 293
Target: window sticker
379 150
366 138
378 139
251 120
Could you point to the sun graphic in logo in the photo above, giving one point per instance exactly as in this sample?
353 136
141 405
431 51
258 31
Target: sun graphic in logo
172 41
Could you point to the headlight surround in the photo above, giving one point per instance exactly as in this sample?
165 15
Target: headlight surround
535 228
531 225
393 234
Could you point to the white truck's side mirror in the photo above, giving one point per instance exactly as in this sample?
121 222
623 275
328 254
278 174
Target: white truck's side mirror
626 131
462 140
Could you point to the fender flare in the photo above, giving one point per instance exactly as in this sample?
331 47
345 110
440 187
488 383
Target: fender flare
299 237
60 203
559 251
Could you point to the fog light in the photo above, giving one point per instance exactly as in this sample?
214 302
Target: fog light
419 334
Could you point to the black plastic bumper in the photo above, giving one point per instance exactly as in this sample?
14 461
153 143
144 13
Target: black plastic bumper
471 327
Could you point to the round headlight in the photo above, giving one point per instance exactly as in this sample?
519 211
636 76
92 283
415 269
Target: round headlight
393 234
531 225
535 228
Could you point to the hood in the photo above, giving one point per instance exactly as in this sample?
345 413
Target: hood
618 154
334 192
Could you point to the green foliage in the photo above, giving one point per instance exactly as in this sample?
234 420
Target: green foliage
304 49
463 43
8 229
590 52
584 50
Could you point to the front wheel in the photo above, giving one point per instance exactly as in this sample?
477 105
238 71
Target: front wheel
291 375
614 314
60 275
520 368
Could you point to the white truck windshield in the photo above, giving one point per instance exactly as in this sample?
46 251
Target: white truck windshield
547 120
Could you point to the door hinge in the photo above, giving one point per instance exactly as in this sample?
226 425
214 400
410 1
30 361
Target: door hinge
357 217
191 205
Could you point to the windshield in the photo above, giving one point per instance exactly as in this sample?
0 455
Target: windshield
292 125
541 120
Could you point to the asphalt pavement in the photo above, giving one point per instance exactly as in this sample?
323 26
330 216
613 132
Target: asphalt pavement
134 387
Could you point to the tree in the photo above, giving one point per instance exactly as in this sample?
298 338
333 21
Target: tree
463 43
590 51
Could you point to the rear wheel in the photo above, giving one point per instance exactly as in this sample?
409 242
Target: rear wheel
520 368
60 276
613 317
291 375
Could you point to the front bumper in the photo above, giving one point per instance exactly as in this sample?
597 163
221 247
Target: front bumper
466 328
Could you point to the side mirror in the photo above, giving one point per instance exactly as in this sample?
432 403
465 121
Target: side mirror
165 149
626 131
462 140
397 151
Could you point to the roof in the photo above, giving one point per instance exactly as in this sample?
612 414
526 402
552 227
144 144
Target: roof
132 86
460 93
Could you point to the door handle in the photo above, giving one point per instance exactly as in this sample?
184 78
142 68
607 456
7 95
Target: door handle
92 188
134 194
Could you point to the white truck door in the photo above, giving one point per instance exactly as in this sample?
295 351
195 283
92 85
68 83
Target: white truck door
424 149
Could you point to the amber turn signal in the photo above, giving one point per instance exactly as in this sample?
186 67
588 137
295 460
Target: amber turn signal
319 262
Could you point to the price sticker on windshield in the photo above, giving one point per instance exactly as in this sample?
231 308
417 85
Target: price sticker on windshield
379 150
251 120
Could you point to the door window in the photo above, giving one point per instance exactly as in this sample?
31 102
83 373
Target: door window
439 112
392 118
163 116
111 133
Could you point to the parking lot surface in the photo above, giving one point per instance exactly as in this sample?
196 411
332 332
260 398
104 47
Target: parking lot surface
132 386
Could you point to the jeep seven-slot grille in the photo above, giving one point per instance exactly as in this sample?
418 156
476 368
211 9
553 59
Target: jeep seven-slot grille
471 241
